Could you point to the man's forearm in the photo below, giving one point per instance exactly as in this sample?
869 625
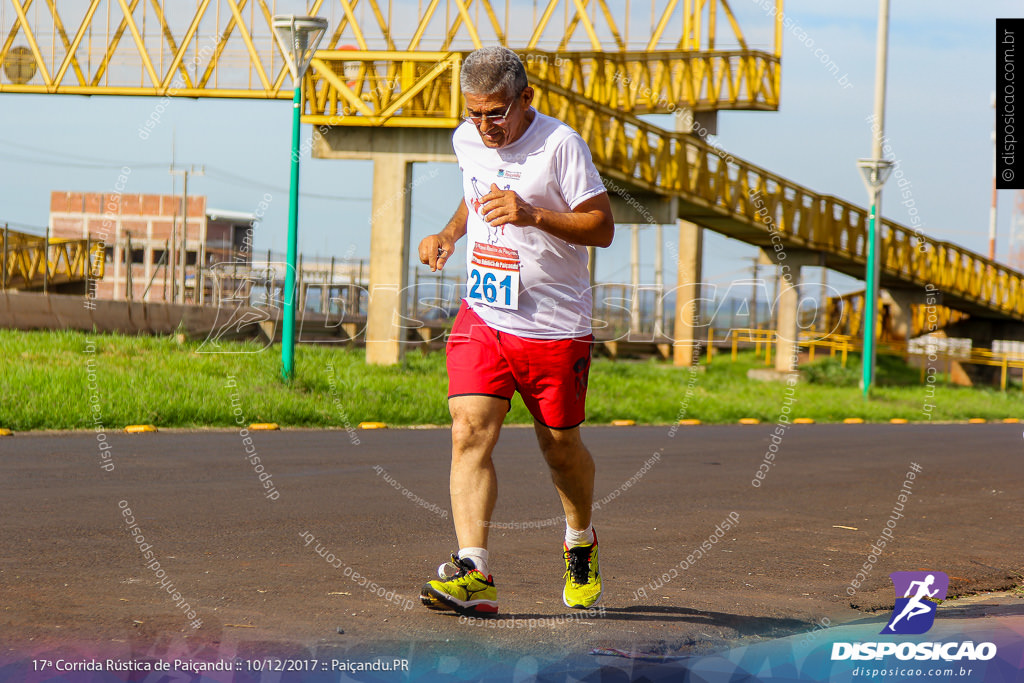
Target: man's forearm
458 225
586 229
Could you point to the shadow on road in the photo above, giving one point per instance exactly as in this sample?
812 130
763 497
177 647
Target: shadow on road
741 624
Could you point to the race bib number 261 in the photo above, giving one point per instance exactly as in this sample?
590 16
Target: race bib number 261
494 276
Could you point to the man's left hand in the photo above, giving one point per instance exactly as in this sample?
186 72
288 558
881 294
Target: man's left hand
505 207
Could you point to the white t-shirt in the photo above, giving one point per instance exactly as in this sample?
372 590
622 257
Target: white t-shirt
549 166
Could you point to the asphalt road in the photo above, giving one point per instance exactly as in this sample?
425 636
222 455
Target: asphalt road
72 574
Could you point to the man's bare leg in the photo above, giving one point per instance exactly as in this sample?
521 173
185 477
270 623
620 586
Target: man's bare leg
572 471
476 424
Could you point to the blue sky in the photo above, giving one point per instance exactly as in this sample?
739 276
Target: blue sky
939 122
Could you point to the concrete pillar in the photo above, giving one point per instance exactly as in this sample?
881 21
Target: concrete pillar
787 305
389 259
393 151
687 334
900 320
634 281
592 266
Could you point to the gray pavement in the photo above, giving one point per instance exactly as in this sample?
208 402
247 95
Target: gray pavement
237 555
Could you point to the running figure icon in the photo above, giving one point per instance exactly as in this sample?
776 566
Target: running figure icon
492 231
916 604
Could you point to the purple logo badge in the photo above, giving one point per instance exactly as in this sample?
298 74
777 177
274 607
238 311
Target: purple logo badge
916 593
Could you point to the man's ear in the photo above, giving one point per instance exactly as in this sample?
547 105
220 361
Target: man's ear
527 95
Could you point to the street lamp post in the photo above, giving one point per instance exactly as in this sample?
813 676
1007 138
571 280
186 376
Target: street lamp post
297 37
875 172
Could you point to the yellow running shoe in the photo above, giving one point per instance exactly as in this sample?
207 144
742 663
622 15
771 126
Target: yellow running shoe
582 576
463 588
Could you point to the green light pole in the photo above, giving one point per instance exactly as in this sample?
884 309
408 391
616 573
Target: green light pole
875 172
297 37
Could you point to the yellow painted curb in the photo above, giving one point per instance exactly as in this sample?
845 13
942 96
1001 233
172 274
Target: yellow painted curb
898 421
6 432
689 422
749 421
976 421
372 425
803 421
1011 420
264 426
853 421
623 423
139 429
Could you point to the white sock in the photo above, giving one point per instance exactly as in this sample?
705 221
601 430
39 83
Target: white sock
574 538
479 557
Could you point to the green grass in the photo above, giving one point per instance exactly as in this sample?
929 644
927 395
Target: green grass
45 384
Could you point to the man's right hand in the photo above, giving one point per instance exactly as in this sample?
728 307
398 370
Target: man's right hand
435 250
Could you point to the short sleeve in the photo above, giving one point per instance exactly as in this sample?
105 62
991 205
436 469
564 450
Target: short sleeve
576 175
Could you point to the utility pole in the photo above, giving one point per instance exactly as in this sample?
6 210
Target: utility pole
823 309
753 295
659 283
634 276
183 253
993 211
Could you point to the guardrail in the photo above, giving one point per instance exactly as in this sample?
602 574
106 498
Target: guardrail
842 345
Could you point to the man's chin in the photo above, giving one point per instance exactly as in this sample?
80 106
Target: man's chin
493 143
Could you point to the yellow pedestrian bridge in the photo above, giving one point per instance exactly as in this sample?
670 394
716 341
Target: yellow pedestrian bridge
385 86
31 262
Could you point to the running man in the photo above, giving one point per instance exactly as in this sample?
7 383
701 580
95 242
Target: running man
916 604
533 203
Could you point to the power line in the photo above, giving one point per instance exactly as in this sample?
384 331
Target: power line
93 163
232 178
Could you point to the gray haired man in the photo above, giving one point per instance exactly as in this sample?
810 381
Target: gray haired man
533 202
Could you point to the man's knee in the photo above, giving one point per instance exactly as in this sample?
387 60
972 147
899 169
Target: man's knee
470 433
473 427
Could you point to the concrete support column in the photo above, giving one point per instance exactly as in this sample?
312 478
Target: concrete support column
389 258
592 265
899 322
392 151
790 261
687 333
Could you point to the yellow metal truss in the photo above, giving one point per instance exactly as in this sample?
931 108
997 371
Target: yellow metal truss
29 261
844 315
420 89
224 48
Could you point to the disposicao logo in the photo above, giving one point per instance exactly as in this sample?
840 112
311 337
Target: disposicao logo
914 612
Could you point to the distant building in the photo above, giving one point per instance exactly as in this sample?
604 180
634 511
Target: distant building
142 233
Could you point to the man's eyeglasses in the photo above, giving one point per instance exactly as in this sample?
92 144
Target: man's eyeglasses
492 116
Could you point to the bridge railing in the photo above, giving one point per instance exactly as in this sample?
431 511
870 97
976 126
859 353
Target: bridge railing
675 164
29 262
420 89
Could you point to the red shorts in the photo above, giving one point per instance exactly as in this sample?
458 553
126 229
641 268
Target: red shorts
550 374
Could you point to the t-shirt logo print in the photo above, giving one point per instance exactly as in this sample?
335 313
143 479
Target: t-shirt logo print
914 612
492 232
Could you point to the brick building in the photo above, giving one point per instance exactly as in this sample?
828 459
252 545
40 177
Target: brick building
142 233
